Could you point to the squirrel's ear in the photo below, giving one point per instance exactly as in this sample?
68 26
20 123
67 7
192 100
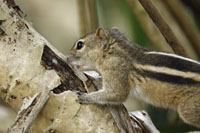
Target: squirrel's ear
100 33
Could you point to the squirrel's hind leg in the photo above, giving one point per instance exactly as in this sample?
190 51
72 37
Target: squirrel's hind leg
189 110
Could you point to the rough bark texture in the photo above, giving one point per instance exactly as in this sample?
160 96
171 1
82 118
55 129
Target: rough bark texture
29 111
29 64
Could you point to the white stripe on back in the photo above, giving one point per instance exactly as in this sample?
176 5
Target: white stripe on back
173 55
169 71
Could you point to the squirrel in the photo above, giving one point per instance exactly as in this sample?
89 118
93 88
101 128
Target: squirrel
162 79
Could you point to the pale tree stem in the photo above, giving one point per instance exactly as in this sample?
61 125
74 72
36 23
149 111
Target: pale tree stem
163 27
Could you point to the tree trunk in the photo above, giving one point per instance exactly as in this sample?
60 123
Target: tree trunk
29 65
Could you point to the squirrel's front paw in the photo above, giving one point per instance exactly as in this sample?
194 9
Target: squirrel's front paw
81 97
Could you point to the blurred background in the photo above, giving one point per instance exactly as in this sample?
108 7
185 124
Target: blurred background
62 22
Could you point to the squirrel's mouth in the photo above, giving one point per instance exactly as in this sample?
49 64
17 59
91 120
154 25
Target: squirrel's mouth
76 64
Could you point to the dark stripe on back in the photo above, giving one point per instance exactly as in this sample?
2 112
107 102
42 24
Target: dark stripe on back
170 78
170 62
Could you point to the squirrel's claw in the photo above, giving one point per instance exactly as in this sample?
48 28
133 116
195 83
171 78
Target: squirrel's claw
78 93
80 97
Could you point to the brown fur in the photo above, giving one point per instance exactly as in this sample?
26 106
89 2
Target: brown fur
113 55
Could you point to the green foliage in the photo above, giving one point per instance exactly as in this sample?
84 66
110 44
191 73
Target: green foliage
118 10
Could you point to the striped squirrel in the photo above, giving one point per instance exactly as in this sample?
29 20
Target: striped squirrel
162 79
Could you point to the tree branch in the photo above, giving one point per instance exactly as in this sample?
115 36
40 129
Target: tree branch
163 27
29 111
28 65
150 29
178 12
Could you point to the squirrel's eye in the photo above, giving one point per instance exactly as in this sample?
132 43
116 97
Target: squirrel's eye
79 45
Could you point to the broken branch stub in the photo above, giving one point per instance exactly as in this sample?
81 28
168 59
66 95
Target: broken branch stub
28 65
29 111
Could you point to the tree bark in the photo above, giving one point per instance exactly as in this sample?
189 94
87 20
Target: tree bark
28 65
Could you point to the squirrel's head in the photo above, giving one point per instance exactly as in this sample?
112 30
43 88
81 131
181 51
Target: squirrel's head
87 51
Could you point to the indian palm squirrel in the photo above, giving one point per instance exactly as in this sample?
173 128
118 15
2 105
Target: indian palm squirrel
162 79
